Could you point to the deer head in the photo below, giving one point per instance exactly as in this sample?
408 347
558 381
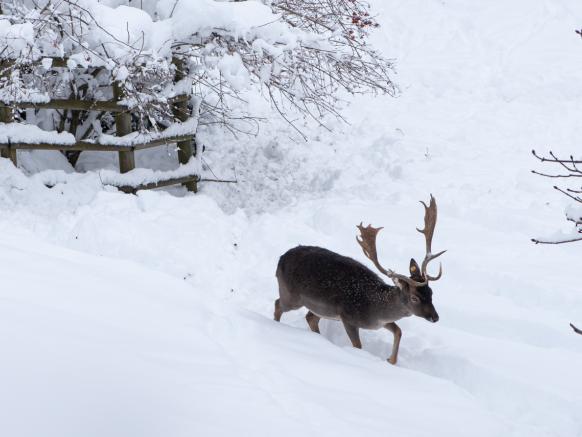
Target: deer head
416 286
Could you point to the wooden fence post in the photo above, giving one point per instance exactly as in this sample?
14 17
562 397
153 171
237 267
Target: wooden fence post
186 149
123 127
6 117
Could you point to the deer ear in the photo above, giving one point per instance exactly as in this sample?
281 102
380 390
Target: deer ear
415 270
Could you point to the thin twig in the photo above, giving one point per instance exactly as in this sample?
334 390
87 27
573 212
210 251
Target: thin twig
226 181
556 242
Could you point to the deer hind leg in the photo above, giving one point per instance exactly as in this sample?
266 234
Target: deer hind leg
313 321
283 304
287 301
397 332
353 333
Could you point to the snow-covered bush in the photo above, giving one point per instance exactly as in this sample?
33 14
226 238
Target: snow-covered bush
298 53
567 168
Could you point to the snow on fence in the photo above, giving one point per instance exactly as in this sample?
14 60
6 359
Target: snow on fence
17 134
130 182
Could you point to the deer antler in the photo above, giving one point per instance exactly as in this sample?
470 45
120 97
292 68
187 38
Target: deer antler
430 218
367 241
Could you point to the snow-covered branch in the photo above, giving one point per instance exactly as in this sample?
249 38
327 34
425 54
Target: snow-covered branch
298 53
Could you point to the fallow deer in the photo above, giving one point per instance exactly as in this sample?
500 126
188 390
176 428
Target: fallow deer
336 287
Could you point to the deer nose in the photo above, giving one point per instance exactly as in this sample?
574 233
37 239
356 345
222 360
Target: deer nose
435 318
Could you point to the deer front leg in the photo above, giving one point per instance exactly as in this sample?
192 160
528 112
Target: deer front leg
394 329
353 333
313 321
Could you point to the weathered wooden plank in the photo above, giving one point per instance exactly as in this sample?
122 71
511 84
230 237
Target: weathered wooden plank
80 146
84 105
95 147
163 141
71 104
163 183
132 189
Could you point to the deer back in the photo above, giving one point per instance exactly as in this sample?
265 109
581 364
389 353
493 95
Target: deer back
335 286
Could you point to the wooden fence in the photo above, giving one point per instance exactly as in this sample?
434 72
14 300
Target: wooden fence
186 143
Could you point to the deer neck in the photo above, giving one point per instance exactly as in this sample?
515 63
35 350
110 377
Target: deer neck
399 302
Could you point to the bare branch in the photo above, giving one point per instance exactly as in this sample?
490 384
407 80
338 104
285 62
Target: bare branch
554 159
565 192
572 171
557 176
571 240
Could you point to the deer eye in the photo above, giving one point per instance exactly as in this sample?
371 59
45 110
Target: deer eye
414 299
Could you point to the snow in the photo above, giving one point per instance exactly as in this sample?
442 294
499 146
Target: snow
133 178
174 130
16 37
152 314
242 20
151 29
160 362
182 87
123 26
232 69
13 92
31 134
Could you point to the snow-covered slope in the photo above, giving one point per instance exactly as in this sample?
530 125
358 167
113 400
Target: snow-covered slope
151 314
93 346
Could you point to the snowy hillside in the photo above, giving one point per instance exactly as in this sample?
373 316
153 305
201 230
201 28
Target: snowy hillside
151 315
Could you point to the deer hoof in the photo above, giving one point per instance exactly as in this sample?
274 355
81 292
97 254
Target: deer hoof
392 360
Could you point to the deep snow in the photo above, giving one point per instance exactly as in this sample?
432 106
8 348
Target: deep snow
151 314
